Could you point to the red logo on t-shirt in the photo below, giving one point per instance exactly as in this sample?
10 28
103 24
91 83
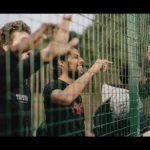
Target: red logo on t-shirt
78 108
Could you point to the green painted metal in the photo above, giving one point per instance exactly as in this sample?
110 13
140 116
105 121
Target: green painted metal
132 33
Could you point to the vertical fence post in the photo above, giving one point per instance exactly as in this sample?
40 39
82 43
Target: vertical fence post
132 41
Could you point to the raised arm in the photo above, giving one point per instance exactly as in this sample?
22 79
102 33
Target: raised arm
66 96
58 46
59 40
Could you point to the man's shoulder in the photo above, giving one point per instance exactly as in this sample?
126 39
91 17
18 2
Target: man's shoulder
56 84
50 84
2 56
7 56
2 63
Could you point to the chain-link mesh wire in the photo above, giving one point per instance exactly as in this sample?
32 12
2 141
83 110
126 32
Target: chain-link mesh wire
116 102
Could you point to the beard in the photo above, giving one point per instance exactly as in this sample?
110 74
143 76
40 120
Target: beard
74 74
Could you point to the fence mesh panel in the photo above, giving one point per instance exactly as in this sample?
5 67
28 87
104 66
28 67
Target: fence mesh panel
116 102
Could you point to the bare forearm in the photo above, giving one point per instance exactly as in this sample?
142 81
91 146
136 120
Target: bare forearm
88 130
66 96
46 54
75 88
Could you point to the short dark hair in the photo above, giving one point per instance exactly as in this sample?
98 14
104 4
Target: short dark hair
55 66
72 35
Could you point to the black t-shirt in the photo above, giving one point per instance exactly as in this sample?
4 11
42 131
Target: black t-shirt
63 120
15 96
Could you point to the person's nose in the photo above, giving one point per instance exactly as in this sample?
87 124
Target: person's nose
81 61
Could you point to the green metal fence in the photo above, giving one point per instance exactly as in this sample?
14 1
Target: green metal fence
112 108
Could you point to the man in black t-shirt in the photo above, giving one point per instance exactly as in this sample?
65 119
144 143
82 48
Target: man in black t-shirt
15 96
62 100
